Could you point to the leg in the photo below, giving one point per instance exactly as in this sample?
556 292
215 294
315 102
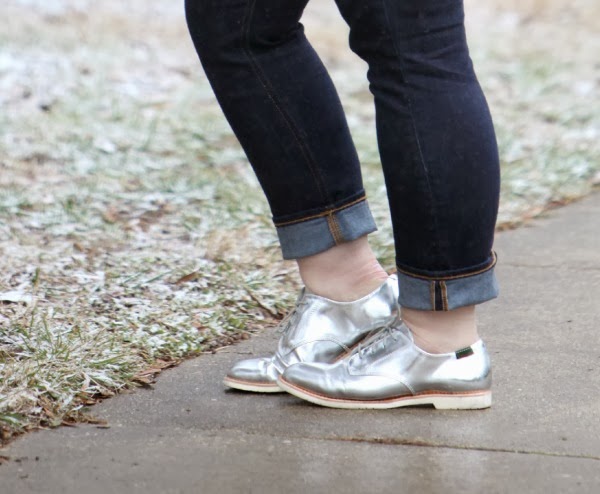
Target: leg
437 146
440 161
439 156
283 108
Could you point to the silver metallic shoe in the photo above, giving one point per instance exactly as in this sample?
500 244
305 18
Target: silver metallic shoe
390 371
317 330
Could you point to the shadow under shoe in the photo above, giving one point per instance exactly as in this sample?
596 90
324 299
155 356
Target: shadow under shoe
317 330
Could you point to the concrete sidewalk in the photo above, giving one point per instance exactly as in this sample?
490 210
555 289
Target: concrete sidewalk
542 434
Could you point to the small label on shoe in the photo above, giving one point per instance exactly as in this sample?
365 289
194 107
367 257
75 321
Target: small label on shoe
465 352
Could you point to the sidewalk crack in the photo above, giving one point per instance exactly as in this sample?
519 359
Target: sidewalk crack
390 441
429 444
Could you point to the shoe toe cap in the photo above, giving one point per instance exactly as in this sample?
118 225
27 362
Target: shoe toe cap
258 370
335 382
312 377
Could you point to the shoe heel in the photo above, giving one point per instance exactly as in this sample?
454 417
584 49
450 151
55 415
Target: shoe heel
469 402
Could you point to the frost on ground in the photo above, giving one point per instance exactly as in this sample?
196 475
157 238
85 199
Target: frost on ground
132 231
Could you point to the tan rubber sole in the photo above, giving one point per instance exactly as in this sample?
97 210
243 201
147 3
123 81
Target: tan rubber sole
250 386
442 401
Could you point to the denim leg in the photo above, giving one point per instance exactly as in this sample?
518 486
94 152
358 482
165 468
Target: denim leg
285 111
437 147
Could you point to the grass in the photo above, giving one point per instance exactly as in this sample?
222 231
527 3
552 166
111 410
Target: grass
132 231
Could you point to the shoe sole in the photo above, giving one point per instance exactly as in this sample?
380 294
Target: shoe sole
251 386
474 400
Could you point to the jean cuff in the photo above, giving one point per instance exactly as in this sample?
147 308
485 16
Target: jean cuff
317 234
447 293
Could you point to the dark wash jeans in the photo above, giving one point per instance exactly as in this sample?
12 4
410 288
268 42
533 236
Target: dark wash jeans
436 138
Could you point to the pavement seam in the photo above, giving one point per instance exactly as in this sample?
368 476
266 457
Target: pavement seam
422 444
425 444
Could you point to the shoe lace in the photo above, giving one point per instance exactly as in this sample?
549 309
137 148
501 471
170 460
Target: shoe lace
379 341
288 321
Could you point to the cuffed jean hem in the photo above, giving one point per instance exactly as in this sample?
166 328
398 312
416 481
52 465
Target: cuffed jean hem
443 294
319 233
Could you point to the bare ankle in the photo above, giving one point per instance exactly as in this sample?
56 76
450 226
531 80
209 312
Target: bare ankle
442 332
344 273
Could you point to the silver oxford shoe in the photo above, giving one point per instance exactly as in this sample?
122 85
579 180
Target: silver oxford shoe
317 330
390 371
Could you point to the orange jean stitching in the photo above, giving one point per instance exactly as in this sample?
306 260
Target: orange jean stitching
444 296
325 213
335 230
450 278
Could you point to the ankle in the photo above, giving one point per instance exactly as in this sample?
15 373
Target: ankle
442 332
343 273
